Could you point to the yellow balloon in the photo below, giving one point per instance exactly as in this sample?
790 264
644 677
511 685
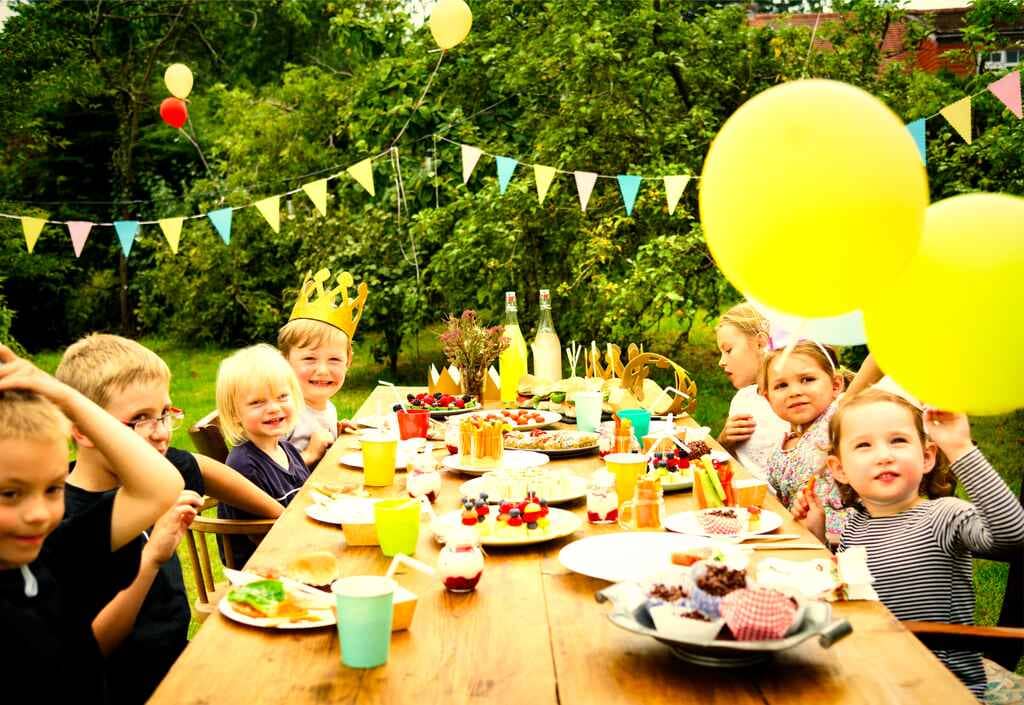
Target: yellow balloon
813 197
951 327
178 79
450 21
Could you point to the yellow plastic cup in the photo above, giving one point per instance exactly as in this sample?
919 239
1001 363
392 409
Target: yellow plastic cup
379 456
627 468
398 525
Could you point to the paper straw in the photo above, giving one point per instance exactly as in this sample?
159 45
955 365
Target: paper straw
409 562
401 402
427 509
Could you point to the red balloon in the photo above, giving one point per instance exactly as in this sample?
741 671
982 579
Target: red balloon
174 112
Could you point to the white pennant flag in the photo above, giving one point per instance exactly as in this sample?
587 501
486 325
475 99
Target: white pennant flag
470 156
585 181
674 186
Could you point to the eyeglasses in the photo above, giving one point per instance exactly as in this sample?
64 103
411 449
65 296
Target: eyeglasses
171 419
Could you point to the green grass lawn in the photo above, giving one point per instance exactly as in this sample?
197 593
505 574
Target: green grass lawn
195 371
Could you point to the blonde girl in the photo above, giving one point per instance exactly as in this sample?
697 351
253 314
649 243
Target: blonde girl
752 430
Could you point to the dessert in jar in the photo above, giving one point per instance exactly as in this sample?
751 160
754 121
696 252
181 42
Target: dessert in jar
480 442
423 480
602 499
452 435
461 562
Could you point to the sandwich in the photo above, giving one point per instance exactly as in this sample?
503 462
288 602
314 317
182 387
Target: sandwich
317 568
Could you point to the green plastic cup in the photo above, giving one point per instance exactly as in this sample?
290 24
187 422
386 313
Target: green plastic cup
641 420
364 619
398 525
588 410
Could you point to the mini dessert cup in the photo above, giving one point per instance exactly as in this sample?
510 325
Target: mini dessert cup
683 623
758 614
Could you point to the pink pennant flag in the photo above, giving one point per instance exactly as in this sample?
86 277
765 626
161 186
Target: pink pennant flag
585 186
1007 89
79 230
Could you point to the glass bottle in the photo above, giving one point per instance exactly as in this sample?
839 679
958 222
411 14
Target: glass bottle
511 362
547 349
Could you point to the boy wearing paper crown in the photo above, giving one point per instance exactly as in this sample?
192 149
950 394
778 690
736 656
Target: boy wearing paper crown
317 342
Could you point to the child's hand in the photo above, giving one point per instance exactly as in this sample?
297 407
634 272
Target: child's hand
738 428
346 426
808 511
319 442
18 373
170 529
950 431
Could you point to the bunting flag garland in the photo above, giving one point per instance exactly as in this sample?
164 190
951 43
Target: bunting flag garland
32 227
958 115
172 231
221 220
363 173
126 232
1007 89
629 186
674 187
470 156
585 181
543 175
317 192
506 166
271 210
79 231
916 129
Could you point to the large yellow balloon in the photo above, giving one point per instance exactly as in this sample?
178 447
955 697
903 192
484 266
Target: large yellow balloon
178 79
450 21
951 328
812 197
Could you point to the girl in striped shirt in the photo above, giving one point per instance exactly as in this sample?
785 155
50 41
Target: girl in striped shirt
919 540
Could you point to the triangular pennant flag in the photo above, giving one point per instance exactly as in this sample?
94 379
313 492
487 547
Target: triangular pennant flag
126 232
959 116
470 156
271 210
363 173
79 230
32 227
172 231
317 192
544 175
221 220
629 185
506 165
916 129
585 186
1007 89
674 187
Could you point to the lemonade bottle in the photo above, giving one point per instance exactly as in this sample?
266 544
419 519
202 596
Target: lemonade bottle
512 362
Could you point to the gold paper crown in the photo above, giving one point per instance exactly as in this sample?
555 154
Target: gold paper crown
318 304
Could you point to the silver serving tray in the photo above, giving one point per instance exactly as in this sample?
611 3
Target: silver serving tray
629 603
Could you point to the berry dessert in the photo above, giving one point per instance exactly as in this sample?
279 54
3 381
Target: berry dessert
508 519
461 562
441 402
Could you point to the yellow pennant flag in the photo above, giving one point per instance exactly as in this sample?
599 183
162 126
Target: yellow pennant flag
959 116
32 227
544 176
271 210
674 187
317 192
172 231
363 173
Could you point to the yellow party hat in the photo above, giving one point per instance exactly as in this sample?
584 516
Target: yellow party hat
319 304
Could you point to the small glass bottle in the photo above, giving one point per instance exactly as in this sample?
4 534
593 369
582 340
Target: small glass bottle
461 562
602 499
512 361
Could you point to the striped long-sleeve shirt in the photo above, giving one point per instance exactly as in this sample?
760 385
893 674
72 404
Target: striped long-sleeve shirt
921 557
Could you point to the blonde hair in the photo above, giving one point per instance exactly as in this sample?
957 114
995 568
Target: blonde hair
824 356
305 332
747 319
940 482
252 368
100 365
29 417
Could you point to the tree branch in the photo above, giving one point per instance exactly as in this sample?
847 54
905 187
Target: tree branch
673 70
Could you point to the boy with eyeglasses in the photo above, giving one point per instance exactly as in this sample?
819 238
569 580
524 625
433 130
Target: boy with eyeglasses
144 627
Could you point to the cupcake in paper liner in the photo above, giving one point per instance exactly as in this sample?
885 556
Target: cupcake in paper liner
727 521
758 614
681 622
712 582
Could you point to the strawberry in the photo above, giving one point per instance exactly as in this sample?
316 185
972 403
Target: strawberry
459 404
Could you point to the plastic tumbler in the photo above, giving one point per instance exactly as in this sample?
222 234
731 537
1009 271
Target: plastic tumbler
588 410
413 423
627 468
641 420
398 525
379 455
364 605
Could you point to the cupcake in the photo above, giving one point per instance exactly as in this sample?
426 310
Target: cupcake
759 614
712 582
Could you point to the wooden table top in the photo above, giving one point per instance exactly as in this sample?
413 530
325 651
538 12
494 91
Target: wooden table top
531 633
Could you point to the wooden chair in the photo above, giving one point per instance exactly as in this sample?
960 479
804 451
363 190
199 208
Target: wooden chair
207 438
209 592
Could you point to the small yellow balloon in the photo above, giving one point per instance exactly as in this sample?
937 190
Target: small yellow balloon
812 197
450 21
951 327
178 79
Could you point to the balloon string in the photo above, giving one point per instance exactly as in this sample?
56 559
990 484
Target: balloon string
200 151
419 102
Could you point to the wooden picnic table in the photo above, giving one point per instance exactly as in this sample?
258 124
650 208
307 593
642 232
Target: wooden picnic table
531 633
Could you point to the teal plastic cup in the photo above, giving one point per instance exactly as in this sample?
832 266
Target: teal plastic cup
398 525
641 420
364 619
588 410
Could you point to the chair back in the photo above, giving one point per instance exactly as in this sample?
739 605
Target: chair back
207 438
1009 652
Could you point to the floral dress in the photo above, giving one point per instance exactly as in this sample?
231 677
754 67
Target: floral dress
790 470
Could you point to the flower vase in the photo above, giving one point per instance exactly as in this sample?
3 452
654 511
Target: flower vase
472 381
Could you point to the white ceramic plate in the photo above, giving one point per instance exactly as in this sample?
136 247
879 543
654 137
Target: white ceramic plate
563 523
684 484
689 523
510 459
324 617
550 418
406 450
359 510
577 489
631 555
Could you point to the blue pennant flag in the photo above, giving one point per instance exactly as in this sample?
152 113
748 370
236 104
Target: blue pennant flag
126 232
221 220
917 132
506 165
629 185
